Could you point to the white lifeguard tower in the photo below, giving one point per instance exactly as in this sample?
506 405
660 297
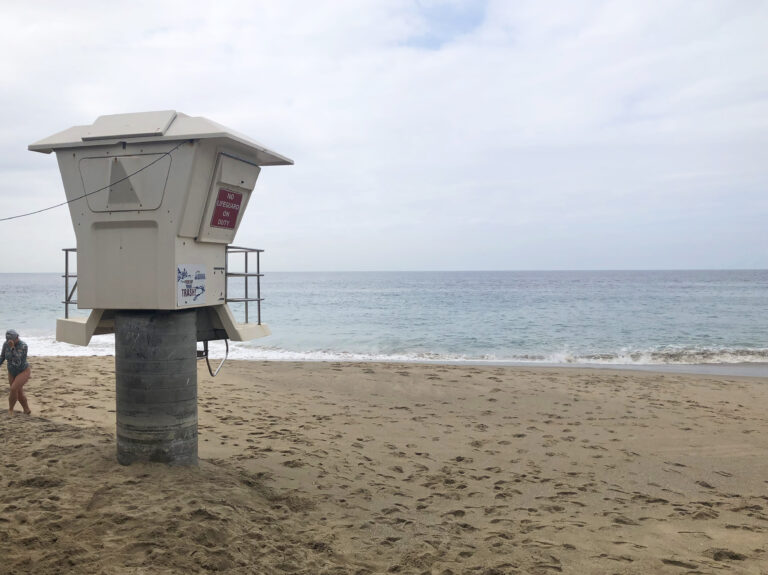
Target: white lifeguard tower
156 199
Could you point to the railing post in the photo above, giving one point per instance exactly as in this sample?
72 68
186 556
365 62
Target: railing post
245 255
66 284
258 284
226 273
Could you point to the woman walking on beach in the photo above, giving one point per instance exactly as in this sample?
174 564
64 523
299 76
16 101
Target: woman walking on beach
15 352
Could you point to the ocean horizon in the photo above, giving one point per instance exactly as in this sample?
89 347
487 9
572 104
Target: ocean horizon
661 319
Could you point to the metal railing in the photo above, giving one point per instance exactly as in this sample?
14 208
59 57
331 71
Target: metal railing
247 274
67 292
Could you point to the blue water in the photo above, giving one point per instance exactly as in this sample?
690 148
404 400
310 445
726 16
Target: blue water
618 317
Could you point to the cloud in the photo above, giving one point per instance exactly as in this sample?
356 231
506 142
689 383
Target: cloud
421 129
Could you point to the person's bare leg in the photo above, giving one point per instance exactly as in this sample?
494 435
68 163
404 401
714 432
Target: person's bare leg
23 401
18 386
11 395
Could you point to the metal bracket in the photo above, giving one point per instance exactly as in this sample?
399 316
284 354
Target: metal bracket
204 354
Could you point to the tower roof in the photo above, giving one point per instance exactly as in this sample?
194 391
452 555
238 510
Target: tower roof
153 127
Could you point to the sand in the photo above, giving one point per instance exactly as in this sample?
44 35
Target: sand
386 468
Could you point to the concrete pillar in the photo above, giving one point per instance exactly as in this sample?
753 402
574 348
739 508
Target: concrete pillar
156 377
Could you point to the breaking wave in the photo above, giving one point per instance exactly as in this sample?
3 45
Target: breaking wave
671 355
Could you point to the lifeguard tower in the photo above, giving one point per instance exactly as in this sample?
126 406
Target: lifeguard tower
156 199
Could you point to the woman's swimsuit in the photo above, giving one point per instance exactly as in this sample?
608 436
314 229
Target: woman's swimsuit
16 356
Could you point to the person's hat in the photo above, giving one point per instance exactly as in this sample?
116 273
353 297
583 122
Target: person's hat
11 334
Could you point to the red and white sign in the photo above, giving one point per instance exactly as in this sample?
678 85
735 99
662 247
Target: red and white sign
226 210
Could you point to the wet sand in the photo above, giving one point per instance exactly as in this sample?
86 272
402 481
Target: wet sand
388 468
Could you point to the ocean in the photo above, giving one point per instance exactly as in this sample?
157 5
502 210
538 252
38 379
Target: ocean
598 318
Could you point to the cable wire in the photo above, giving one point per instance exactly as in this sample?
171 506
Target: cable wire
163 155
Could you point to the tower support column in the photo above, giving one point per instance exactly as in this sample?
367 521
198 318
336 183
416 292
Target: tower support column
156 386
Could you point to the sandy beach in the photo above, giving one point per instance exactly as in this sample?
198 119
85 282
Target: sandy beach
391 468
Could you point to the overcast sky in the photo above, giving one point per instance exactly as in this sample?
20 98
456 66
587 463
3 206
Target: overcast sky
427 135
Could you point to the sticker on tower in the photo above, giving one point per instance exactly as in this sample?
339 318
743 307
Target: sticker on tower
190 284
